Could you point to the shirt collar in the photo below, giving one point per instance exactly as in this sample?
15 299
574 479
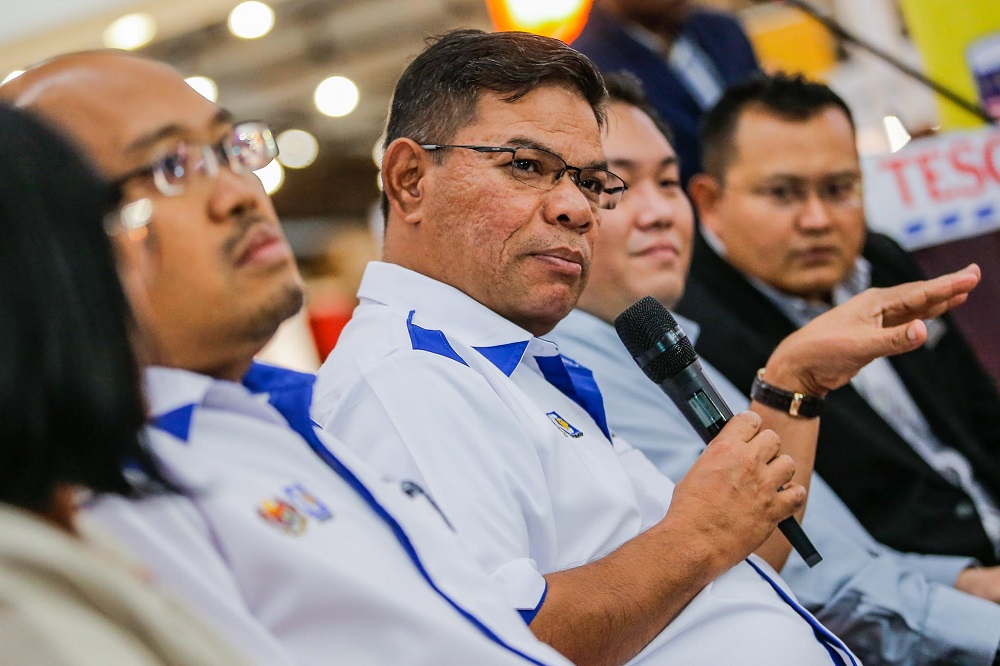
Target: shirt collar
439 306
647 38
173 394
169 389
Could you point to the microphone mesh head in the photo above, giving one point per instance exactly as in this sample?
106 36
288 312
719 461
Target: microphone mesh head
646 324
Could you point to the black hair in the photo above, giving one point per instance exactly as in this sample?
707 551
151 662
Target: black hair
626 88
789 97
438 92
71 405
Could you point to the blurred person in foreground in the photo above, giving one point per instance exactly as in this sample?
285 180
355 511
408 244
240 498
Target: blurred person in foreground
912 444
686 55
70 414
282 540
888 607
441 378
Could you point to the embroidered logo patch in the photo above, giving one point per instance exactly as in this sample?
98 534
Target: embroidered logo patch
282 514
292 511
567 428
305 501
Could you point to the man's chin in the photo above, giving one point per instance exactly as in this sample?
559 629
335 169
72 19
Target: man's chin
282 306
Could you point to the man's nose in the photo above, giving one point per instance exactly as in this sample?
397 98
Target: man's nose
234 193
815 213
653 208
567 205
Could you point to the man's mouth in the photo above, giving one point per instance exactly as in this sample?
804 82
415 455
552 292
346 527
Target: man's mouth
262 244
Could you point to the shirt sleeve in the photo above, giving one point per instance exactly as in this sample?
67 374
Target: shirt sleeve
863 591
431 420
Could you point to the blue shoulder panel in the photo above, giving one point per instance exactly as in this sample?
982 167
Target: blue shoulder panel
504 357
432 341
177 422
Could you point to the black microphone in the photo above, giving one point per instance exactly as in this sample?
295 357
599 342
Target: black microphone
657 343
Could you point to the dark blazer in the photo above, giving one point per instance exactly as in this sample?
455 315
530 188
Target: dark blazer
898 497
606 41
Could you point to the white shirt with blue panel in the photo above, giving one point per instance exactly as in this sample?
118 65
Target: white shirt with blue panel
293 548
510 439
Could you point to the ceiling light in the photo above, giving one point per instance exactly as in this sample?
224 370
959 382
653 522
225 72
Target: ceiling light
271 176
378 151
297 148
204 86
532 12
130 32
250 20
336 96
13 75
562 19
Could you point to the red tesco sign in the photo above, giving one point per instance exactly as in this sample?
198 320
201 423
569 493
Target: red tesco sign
936 189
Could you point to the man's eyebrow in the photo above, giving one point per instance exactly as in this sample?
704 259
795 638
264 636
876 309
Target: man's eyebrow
526 142
221 117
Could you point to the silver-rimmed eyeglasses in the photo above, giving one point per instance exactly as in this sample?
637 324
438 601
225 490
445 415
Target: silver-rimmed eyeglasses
129 219
246 148
542 169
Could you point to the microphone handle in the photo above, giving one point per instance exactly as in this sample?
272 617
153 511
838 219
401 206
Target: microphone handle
693 393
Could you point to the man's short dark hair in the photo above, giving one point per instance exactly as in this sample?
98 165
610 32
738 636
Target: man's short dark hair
626 88
789 97
437 94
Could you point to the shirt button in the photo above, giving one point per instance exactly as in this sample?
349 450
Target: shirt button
964 510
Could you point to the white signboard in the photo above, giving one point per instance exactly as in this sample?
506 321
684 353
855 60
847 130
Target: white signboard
936 189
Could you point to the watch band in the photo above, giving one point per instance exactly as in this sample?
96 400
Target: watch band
796 404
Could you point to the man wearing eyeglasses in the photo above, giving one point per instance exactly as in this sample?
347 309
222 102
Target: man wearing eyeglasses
279 536
495 180
911 445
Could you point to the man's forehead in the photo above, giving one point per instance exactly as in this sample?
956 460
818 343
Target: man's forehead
106 101
631 138
765 142
568 119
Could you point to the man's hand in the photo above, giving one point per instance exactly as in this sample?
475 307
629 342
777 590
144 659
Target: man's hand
826 353
729 502
982 582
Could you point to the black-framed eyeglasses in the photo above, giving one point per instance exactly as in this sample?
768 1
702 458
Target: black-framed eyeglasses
248 147
542 169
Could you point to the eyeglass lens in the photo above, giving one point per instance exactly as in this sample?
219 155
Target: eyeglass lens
249 147
542 170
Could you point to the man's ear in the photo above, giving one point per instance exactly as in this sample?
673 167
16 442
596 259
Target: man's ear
404 166
706 192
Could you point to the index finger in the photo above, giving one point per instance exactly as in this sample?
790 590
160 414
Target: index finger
929 298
